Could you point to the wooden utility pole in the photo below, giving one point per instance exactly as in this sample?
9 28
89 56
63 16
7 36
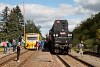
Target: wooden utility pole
24 17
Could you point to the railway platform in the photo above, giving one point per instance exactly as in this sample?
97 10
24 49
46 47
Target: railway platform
2 54
89 59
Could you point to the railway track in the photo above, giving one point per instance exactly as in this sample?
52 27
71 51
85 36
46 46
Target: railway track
33 55
64 62
83 62
92 53
24 58
70 61
7 55
7 59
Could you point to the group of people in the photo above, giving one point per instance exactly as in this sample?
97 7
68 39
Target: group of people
9 45
13 45
40 45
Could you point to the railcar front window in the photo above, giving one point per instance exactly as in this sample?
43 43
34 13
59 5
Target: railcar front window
32 38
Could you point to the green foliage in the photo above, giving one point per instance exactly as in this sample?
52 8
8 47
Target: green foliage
43 38
31 27
89 31
5 15
98 34
14 24
14 29
89 43
75 42
5 18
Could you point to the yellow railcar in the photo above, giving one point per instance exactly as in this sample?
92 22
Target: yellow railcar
31 40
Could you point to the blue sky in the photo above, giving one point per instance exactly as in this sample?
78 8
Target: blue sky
45 12
53 3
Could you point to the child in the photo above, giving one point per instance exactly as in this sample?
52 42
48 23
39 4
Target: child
38 45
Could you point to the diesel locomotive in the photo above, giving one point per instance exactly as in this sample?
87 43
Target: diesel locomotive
60 37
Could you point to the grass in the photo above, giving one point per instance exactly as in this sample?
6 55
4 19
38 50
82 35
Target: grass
1 49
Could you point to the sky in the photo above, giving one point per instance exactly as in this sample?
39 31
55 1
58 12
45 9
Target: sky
45 12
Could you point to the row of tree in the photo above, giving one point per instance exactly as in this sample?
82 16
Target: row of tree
89 32
14 24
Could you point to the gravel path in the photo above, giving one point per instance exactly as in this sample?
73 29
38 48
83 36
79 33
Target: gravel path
95 61
42 59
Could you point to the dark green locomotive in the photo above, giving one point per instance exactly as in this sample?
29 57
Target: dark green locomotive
60 37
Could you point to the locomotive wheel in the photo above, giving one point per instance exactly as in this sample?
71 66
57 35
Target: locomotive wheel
56 51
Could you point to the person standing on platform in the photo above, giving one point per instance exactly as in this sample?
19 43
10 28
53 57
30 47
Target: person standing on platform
18 51
5 47
14 45
38 45
42 44
9 46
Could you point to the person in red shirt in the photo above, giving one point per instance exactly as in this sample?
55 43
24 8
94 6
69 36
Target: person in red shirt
5 46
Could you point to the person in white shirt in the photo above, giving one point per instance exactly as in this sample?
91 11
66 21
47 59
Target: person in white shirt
80 47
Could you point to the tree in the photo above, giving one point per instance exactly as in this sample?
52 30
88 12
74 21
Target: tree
5 15
5 18
31 27
13 26
98 37
19 20
89 31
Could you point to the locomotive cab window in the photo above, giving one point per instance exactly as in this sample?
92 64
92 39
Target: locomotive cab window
63 25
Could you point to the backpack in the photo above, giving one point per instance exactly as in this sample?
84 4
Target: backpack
80 45
7 44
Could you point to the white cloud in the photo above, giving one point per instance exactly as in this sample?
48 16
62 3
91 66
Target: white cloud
2 5
89 4
71 27
72 23
86 2
45 16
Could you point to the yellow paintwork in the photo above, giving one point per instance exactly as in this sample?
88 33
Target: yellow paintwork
32 44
